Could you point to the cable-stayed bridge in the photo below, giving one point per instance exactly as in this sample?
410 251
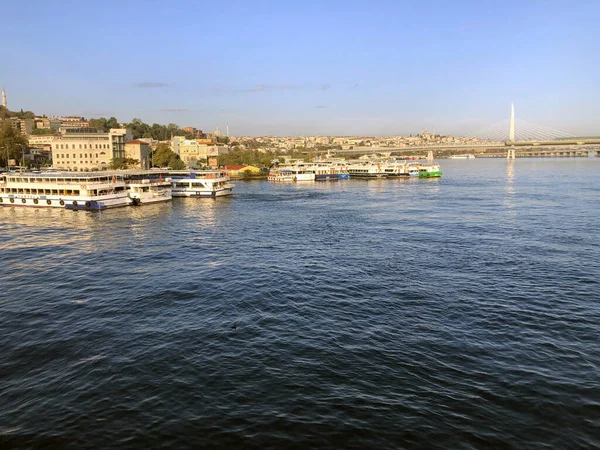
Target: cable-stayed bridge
524 132
518 130
532 139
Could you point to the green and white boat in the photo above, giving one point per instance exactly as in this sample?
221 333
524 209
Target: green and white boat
430 171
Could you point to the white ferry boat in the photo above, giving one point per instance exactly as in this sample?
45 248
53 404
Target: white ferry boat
70 190
285 175
291 173
430 171
149 187
200 184
326 167
401 169
328 172
366 170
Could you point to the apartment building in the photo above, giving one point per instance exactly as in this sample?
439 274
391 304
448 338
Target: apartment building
195 152
84 149
138 150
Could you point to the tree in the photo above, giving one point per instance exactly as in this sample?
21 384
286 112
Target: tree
112 123
176 163
248 157
12 143
162 155
124 163
42 131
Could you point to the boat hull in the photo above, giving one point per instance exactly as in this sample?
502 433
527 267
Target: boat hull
369 175
327 177
208 194
78 203
435 174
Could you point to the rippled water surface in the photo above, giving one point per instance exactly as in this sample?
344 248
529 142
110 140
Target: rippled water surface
454 313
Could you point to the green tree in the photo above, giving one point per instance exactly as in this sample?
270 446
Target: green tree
162 155
99 124
124 163
112 123
42 131
12 143
176 163
248 157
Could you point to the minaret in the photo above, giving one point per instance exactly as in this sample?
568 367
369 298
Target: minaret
511 132
3 97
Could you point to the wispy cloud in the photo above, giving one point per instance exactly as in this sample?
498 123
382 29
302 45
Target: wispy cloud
175 109
150 84
270 88
325 87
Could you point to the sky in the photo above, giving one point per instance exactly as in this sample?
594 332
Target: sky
304 67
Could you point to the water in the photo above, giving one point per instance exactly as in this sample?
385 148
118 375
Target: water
454 313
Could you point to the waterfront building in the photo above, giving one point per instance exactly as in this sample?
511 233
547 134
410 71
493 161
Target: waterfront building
43 141
195 152
138 150
84 149
175 141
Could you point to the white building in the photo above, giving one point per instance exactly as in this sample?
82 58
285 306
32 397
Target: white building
195 152
83 149
42 141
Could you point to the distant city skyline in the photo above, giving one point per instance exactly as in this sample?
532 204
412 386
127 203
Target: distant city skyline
308 68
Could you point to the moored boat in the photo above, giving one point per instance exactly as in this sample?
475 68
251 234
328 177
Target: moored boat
430 171
401 169
281 175
469 156
366 170
325 172
200 183
149 187
69 190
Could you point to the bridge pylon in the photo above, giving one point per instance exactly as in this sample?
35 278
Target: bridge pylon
430 155
511 154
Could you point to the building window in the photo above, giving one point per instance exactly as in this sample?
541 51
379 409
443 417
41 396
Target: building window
79 146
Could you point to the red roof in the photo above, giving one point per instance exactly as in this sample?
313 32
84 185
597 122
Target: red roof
235 167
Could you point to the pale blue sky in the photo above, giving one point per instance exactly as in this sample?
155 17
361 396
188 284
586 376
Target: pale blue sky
307 67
